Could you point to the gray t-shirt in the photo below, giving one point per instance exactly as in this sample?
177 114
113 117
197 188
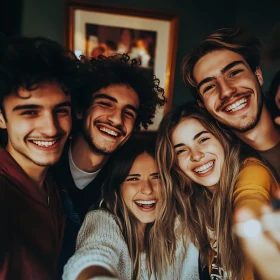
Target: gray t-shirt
272 158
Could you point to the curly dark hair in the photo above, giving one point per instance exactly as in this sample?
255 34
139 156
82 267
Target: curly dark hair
28 62
233 39
101 72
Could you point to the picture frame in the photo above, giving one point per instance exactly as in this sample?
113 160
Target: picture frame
91 28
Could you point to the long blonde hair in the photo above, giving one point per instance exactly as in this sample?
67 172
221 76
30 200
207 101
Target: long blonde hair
192 201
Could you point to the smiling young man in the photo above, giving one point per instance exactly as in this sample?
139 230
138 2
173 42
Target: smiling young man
116 97
223 73
36 77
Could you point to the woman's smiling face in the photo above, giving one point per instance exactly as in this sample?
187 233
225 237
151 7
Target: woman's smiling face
140 189
199 153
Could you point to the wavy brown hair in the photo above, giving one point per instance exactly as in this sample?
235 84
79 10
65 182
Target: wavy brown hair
233 39
198 208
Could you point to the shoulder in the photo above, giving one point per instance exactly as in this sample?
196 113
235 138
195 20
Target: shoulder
100 224
256 171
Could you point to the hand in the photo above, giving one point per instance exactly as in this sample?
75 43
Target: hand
260 240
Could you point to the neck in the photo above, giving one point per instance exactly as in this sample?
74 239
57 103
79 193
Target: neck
264 135
84 156
35 172
141 231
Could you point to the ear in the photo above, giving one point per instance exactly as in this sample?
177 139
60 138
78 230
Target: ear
79 114
259 75
200 103
2 121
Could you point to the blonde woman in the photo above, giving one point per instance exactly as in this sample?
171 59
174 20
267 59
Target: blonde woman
120 240
202 167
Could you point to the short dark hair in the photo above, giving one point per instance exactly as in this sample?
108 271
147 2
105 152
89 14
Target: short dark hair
233 39
101 72
27 62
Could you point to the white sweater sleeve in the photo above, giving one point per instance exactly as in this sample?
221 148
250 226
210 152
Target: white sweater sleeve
99 242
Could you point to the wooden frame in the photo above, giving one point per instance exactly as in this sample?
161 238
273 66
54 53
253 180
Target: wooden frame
81 15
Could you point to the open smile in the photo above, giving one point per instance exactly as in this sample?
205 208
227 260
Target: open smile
46 144
238 105
109 131
205 168
146 205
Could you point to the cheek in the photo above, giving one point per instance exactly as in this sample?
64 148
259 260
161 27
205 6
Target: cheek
183 164
66 124
129 124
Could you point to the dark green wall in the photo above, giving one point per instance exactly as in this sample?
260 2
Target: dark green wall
197 18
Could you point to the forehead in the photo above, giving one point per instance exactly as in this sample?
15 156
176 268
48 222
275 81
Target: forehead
45 95
186 129
122 93
144 163
211 64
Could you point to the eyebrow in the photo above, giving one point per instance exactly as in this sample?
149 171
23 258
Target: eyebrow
153 174
225 69
130 175
36 106
113 99
195 137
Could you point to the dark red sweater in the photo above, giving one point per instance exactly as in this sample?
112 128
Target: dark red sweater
31 229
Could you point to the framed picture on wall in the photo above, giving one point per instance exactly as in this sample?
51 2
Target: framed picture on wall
92 29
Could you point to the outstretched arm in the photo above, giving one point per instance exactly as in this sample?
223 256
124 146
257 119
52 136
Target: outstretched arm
260 239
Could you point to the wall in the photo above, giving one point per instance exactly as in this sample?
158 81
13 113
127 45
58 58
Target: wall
197 18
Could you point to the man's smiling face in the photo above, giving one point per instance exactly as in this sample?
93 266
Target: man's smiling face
229 89
109 121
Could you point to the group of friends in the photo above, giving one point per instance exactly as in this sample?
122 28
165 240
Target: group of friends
81 197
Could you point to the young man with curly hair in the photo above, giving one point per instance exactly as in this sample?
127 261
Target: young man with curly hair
115 99
36 77
224 75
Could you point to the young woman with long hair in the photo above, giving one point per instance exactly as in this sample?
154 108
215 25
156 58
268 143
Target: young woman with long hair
120 239
203 169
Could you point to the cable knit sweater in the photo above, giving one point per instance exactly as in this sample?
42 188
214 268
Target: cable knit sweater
100 242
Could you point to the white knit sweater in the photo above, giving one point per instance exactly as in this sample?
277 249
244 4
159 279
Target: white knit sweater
100 242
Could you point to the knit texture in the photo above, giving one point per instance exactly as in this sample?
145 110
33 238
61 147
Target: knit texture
100 242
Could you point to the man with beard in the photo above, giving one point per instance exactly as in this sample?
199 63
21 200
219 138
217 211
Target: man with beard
224 75
116 97
36 79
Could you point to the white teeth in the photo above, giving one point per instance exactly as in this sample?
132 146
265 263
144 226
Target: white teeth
44 143
237 105
109 131
145 202
204 168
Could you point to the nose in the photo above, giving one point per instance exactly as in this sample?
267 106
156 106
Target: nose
197 155
226 88
147 188
49 125
115 116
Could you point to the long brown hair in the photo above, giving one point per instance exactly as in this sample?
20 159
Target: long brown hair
192 201
118 168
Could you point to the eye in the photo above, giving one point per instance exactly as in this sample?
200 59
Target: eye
104 104
29 112
235 72
207 88
130 114
63 111
131 179
202 140
155 176
179 152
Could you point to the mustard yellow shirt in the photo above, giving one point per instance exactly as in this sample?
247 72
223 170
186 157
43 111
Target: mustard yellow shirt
254 188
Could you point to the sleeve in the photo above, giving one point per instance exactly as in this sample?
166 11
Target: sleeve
254 186
99 242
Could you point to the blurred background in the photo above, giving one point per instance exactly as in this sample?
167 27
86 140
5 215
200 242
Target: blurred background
197 18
